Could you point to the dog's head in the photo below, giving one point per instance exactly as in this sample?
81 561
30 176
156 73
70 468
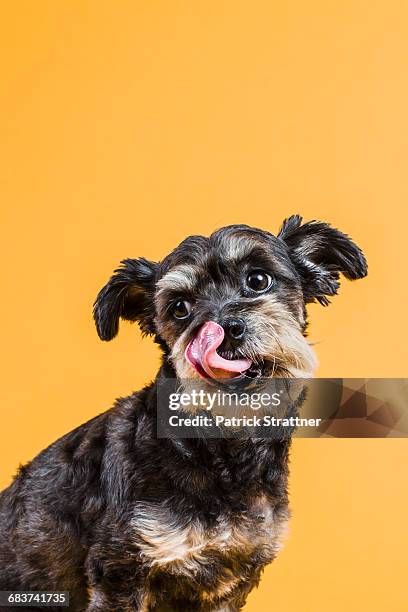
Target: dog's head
233 305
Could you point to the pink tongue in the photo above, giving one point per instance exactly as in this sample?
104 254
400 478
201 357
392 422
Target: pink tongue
202 353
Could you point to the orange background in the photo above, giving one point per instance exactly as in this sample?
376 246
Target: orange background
126 126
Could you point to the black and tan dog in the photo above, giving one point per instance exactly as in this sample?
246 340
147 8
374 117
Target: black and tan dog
126 521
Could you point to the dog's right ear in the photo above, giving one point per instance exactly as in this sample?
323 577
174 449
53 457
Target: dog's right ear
128 295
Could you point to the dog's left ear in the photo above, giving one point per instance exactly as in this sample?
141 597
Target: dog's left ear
320 253
128 295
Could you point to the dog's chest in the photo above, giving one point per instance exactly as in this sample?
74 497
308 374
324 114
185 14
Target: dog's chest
172 543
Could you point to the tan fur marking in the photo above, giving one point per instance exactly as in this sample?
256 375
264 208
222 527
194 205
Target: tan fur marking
183 368
165 543
278 336
181 278
223 588
238 246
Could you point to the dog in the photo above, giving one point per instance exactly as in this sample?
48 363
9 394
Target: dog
124 520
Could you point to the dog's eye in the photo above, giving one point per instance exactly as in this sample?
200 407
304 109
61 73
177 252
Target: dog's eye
259 281
181 309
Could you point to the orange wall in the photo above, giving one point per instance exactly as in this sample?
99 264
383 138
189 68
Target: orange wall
126 126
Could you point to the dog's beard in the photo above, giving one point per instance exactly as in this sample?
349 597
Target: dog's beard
278 343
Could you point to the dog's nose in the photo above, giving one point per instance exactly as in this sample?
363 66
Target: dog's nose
235 328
